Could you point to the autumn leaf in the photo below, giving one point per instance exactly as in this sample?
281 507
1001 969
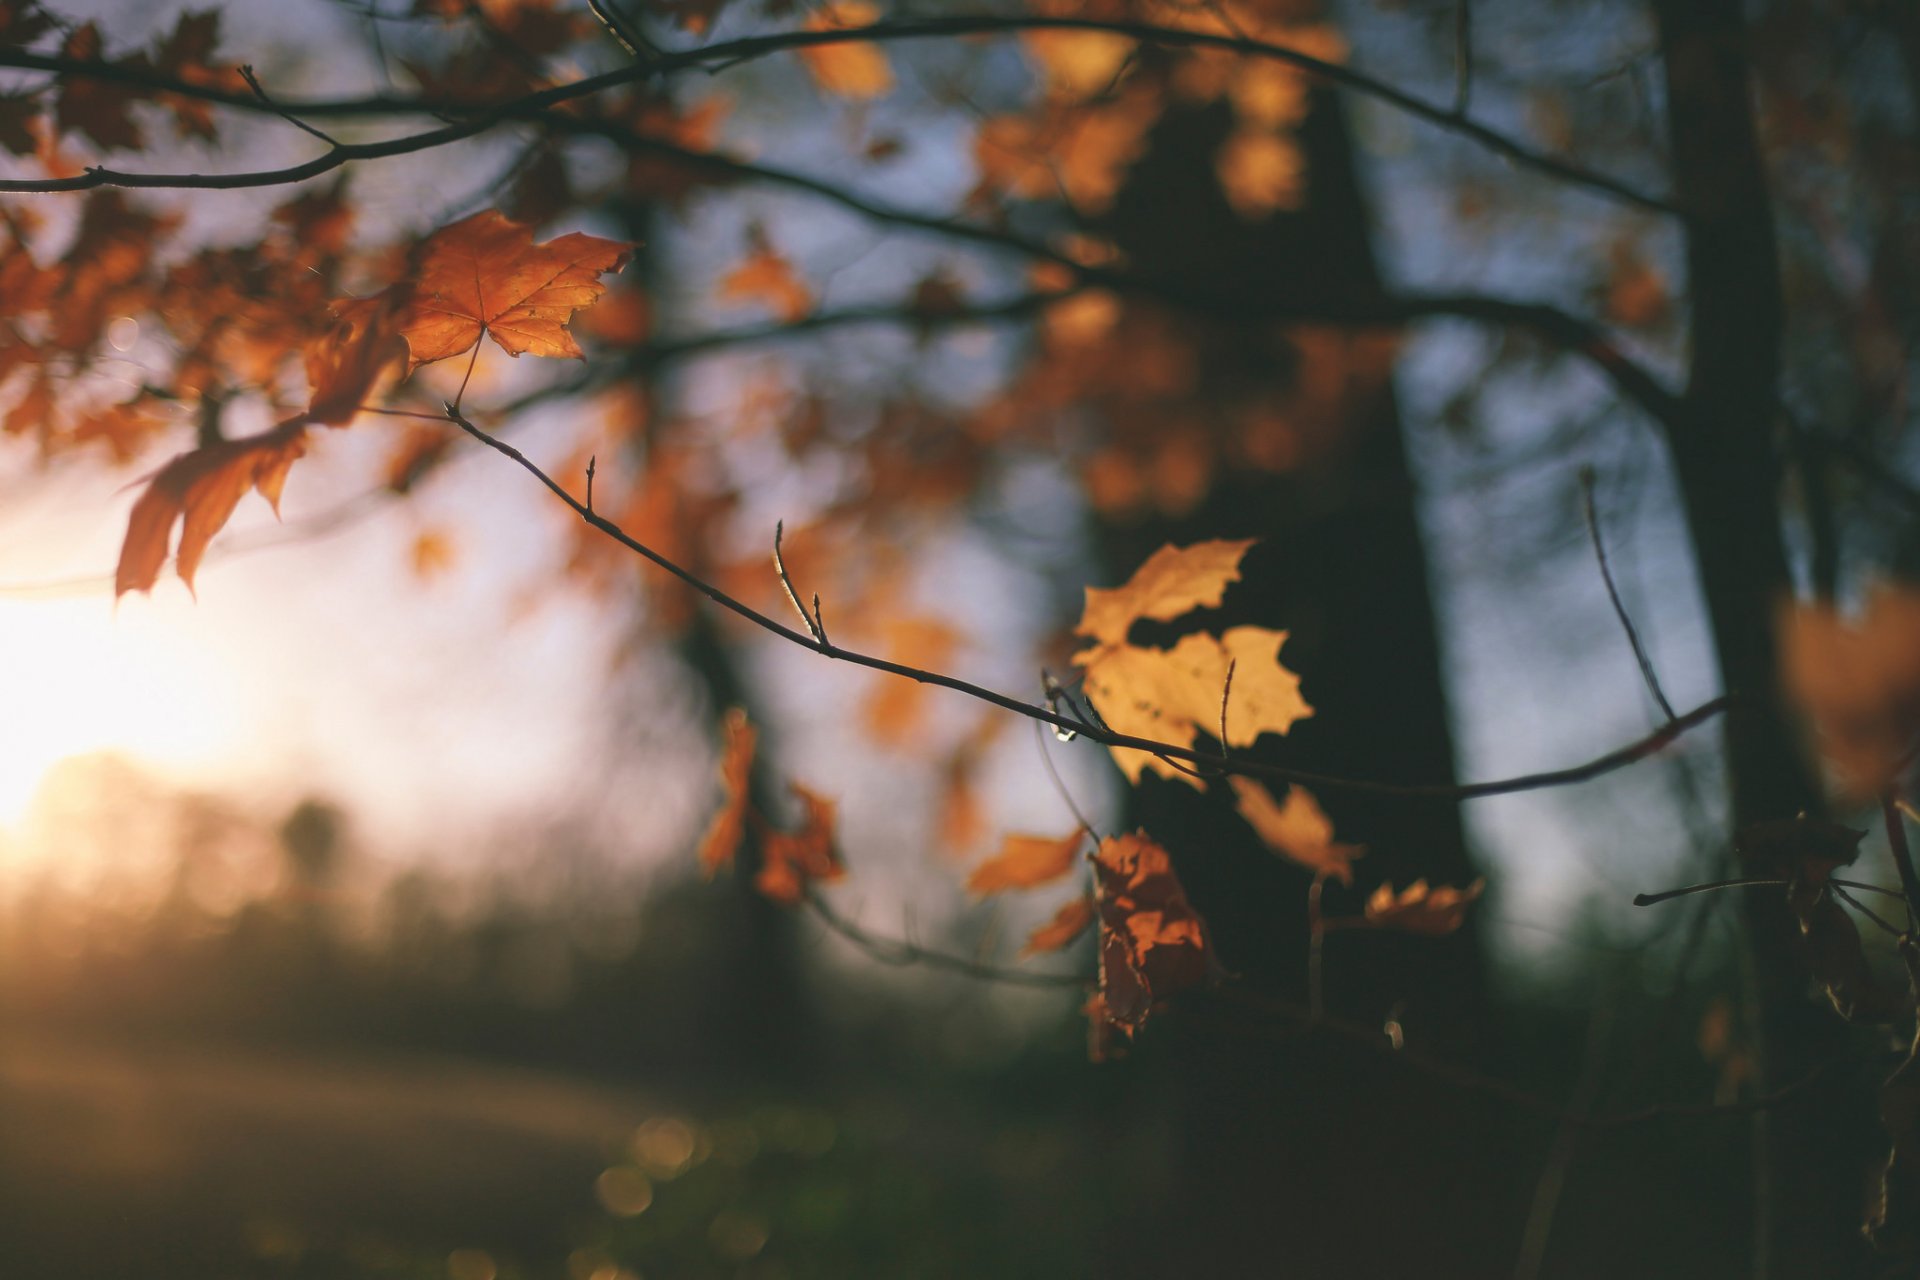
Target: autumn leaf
792 860
344 363
1152 942
1423 910
201 489
1858 680
95 106
893 711
1172 581
1024 862
1068 923
1173 695
485 275
850 69
766 277
722 838
1298 829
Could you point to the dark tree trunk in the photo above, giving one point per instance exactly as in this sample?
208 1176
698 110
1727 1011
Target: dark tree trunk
1811 1158
1311 1121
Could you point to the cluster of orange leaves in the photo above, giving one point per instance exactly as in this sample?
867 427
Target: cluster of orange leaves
1152 942
480 277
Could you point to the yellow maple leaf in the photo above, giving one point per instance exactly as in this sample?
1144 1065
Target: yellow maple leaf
1173 695
1298 829
1421 909
1172 581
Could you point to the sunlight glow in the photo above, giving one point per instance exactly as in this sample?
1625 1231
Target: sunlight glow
80 677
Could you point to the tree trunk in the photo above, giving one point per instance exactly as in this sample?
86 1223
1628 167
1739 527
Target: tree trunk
1811 1157
1316 1122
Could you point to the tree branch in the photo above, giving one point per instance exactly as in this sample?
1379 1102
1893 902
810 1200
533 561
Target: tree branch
1613 760
732 52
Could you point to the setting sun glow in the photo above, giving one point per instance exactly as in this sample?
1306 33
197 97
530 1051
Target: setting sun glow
81 677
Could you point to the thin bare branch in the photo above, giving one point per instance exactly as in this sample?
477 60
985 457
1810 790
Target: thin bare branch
1619 758
734 52
903 953
786 584
1640 654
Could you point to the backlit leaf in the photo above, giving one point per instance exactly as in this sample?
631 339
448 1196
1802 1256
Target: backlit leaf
792 860
1068 923
1152 942
1172 581
201 489
1026 861
1298 829
485 275
722 839
1421 909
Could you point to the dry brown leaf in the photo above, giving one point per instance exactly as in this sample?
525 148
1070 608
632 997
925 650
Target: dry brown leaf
1423 910
1298 829
852 69
1067 924
1152 942
485 275
1024 862
201 489
722 839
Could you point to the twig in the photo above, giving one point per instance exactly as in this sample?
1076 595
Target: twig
591 459
812 620
1640 654
1862 908
1462 57
732 52
1890 807
901 953
246 73
1618 758
1226 688
1649 899
1060 784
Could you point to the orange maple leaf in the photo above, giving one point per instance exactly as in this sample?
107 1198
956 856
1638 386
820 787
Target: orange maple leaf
201 489
1152 942
1068 923
790 861
1420 909
1026 861
1298 829
344 363
722 838
484 275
